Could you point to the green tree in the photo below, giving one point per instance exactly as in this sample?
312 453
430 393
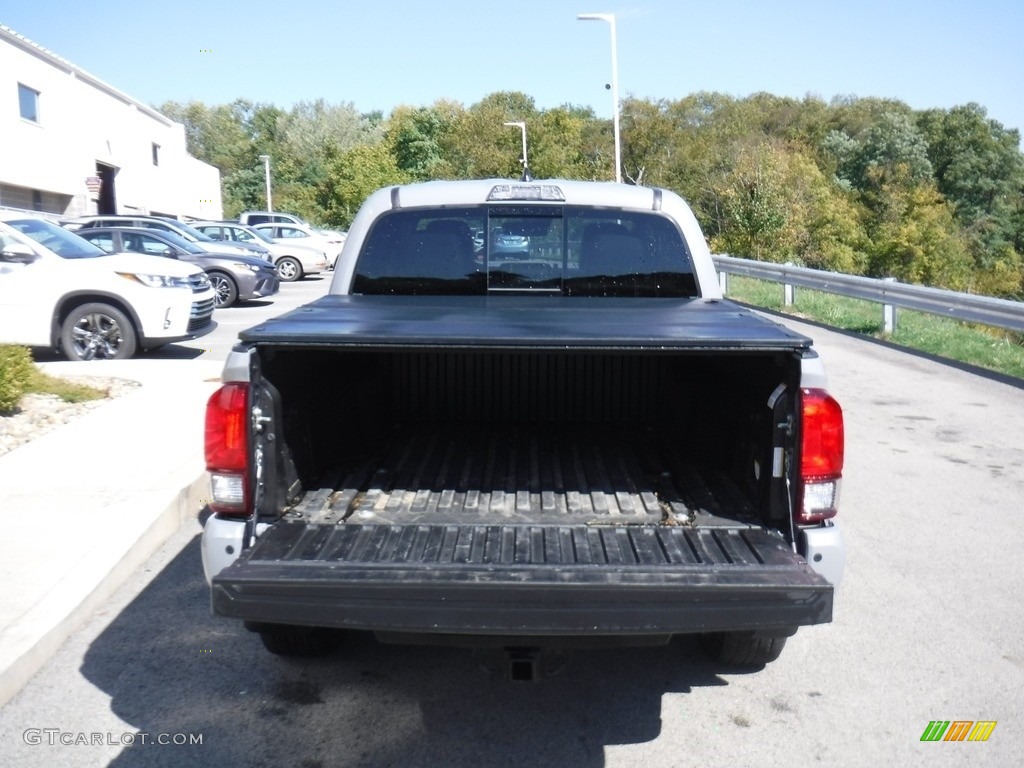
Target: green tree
892 147
858 184
648 141
352 175
914 236
557 140
756 209
979 168
304 137
243 190
305 132
780 207
855 116
480 146
416 136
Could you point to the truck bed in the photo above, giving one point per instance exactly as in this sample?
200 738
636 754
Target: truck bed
524 467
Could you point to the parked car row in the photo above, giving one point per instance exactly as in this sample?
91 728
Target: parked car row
161 224
288 228
106 287
60 291
235 277
293 260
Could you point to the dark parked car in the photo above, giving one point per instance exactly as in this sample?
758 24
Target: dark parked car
234 278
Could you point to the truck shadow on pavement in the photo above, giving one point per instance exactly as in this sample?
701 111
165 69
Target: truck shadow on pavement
170 667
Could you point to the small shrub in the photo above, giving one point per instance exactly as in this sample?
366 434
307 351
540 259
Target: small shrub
16 371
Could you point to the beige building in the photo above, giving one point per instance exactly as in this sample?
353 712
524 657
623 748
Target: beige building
73 145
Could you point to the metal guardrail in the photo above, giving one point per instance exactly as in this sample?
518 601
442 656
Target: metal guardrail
999 313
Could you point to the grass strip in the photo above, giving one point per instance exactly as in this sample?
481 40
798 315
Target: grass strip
990 348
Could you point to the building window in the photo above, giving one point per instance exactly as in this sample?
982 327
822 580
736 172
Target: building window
156 154
28 103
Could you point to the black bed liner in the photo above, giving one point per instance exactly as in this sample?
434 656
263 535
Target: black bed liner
517 473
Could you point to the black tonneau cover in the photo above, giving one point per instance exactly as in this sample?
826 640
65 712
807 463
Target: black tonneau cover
535 322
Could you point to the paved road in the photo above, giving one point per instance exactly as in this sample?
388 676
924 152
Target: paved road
928 627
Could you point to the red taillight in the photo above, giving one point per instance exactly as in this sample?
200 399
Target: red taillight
821 456
227 448
822 446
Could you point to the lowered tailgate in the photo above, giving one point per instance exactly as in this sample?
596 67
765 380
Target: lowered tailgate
522 579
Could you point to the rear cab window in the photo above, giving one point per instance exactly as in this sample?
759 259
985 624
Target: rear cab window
525 249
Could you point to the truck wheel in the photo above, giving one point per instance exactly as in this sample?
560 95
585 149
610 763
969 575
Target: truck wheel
284 640
225 290
742 649
289 270
97 332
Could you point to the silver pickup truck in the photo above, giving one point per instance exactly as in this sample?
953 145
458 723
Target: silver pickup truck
543 427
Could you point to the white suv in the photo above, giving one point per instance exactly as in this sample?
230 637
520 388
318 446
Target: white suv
60 291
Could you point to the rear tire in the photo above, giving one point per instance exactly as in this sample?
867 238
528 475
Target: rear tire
742 649
97 332
289 269
283 640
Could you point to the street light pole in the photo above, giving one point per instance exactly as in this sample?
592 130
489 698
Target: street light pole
266 168
610 18
526 165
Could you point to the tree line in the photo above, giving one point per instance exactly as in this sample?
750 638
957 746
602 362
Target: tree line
857 185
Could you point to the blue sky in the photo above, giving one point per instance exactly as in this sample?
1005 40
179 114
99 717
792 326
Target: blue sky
378 54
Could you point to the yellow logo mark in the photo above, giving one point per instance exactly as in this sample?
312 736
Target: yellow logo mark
982 730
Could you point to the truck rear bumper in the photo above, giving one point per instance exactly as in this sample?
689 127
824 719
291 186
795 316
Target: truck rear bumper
523 580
